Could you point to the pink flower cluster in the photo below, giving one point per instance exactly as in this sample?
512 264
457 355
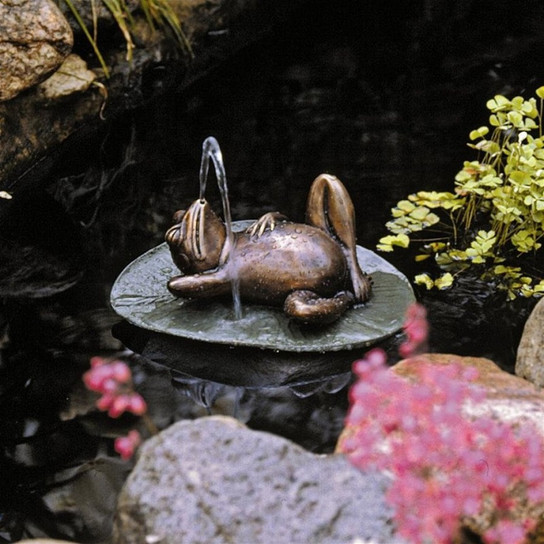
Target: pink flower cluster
445 467
416 329
113 380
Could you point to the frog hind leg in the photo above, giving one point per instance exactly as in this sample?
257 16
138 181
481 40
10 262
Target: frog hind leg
330 208
309 308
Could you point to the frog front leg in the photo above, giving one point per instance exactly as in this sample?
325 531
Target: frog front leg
309 308
330 208
204 285
267 221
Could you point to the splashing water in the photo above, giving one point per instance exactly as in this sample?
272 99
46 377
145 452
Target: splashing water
211 150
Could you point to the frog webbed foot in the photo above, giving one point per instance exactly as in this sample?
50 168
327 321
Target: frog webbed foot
309 308
267 221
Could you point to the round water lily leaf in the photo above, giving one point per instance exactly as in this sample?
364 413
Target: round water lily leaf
141 297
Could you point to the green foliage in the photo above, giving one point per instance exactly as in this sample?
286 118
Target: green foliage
495 216
157 13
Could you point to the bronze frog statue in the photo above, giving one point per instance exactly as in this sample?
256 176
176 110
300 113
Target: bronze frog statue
309 269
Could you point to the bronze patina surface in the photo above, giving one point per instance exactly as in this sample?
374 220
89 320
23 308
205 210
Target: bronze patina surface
310 269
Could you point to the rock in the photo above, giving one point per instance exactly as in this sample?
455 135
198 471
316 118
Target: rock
214 480
530 356
73 76
44 541
508 398
35 39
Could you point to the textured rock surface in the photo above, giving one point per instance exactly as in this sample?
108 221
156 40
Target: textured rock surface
530 356
508 398
73 76
44 541
34 40
214 480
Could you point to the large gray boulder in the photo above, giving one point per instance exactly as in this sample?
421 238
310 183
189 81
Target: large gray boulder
212 480
35 38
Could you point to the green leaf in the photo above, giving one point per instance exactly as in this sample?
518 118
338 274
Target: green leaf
424 279
494 121
497 103
517 176
387 242
420 213
445 281
529 108
523 241
539 287
515 118
478 133
403 207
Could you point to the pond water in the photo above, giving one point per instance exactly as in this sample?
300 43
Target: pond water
382 100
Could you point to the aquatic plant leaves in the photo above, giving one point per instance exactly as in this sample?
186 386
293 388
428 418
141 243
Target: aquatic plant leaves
495 215
140 296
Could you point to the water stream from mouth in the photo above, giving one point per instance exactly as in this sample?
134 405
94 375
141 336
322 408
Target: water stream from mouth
211 150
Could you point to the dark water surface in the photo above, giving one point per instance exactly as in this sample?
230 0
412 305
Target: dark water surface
383 98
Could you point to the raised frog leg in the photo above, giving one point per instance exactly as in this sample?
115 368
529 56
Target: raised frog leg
330 208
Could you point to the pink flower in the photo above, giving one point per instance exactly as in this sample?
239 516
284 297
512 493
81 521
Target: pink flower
126 445
136 404
445 467
505 531
416 329
113 380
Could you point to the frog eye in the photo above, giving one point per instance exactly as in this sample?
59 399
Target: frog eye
178 216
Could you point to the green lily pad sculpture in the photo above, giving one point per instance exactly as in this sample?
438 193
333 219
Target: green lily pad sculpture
140 295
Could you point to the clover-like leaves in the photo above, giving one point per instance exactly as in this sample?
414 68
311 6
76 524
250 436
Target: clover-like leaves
496 212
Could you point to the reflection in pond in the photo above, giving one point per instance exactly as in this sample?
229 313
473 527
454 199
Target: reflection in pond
366 95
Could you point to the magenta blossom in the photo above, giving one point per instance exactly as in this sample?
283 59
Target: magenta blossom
445 468
416 329
113 380
126 445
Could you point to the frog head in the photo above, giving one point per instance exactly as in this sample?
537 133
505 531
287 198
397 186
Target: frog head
197 238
